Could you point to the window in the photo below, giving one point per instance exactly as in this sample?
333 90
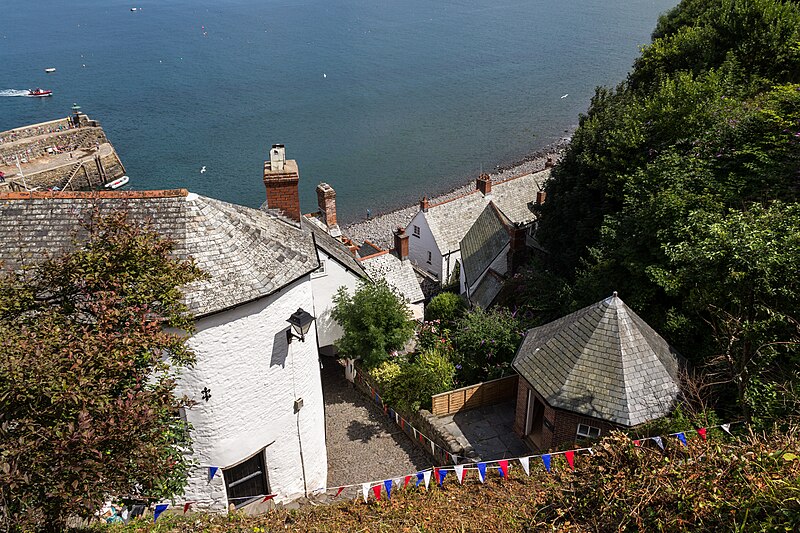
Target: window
319 272
247 480
416 231
429 257
588 432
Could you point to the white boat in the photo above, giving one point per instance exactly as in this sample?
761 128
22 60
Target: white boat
49 70
117 183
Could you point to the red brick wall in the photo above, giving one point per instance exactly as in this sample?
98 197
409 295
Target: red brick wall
282 193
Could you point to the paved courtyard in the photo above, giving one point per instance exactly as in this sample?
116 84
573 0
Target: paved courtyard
362 443
488 429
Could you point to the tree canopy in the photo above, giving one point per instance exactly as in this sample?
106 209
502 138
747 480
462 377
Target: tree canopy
87 372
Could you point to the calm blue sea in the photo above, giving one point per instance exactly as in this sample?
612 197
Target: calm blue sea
385 100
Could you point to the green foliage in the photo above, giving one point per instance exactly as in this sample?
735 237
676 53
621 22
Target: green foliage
410 385
432 334
445 306
485 344
87 373
375 321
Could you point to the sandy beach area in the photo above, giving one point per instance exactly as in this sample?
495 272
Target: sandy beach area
378 229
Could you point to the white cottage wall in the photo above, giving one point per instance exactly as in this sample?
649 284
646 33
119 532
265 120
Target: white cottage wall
419 244
255 377
324 286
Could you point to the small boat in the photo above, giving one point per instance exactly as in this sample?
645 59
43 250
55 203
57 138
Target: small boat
133 9
49 70
37 92
117 183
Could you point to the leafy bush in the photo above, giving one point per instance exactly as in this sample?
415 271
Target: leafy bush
410 385
432 334
445 306
375 321
485 344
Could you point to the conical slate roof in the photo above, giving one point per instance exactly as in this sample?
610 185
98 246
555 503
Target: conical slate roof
603 361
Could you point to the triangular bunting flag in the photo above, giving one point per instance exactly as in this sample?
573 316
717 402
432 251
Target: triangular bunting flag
421 437
186 506
385 409
159 509
403 425
427 476
682 437
702 433
433 447
405 482
365 490
377 490
570 455
591 451
658 441
391 414
268 497
212 471
637 443
502 467
459 473
442 473
726 428
546 461
482 472
338 491
388 485
414 430
377 398
397 419
419 478
526 465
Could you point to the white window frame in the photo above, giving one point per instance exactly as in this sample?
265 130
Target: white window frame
585 431
321 271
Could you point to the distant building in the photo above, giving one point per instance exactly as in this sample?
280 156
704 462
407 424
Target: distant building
589 372
485 256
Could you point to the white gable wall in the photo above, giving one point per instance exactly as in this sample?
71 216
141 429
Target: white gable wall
420 245
324 286
254 378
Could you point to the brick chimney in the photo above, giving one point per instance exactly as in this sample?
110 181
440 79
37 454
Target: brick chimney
281 178
549 162
484 184
541 196
423 204
517 253
401 243
326 200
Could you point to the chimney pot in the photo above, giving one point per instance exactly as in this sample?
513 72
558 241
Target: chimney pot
424 204
281 179
484 184
549 162
541 196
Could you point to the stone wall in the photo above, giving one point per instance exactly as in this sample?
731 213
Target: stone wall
90 175
67 140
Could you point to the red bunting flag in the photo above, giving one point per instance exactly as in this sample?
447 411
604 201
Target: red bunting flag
268 497
402 423
408 478
385 409
420 437
377 490
637 442
702 433
570 455
338 491
503 466
186 506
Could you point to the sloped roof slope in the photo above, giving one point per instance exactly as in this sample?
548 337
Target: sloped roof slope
449 221
603 361
488 289
335 248
248 253
483 243
398 274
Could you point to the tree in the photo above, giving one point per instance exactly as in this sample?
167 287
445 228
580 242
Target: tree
445 306
485 344
87 372
375 321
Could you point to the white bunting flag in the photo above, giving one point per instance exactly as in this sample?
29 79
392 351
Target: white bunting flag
427 477
727 428
591 451
433 447
659 442
415 432
365 490
459 472
526 465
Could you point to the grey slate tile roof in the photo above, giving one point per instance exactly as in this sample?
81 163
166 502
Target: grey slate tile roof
483 243
248 253
450 221
334 248
488 289
603 361
398 274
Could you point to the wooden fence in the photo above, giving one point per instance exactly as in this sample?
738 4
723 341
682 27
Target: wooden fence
487 393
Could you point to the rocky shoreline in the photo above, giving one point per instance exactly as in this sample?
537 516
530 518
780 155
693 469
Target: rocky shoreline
378 229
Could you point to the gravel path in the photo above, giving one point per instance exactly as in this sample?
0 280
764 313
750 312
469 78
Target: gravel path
378 229
363 445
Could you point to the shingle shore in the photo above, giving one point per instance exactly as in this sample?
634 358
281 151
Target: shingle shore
378 229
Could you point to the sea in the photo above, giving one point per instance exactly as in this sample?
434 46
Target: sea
385 100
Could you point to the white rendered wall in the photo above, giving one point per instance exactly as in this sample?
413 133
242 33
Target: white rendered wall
255 377
324 287
418 247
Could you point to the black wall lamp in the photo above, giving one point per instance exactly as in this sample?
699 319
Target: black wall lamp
301 322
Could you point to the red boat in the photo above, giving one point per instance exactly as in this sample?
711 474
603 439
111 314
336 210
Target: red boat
39 92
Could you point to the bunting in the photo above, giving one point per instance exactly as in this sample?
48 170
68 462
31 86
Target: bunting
268 497
459 469
502 467
570 455
388 485
405 482
726 428
186 506
526 465
658 441
419 478
442 473
338 491
365 490
702 433
212 471
377 490
546 461
160 508
482 472
682 437
427 476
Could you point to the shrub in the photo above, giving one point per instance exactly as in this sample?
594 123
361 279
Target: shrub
445 306
485 343
432 334
410 385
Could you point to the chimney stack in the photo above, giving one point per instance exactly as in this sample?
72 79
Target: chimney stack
326 200
423 204
484 184
401 243
541 196
281 179
549 162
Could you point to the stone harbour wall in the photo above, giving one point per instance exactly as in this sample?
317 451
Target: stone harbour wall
90 175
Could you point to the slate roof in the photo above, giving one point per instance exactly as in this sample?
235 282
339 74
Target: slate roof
483 243
334 248
488 289
603 361
450 221
247 252
398 274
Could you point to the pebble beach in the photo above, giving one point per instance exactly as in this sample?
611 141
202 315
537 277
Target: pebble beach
378 228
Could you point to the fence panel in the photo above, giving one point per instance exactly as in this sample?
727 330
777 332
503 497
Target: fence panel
488 393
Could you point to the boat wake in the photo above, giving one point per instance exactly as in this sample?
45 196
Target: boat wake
13 92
